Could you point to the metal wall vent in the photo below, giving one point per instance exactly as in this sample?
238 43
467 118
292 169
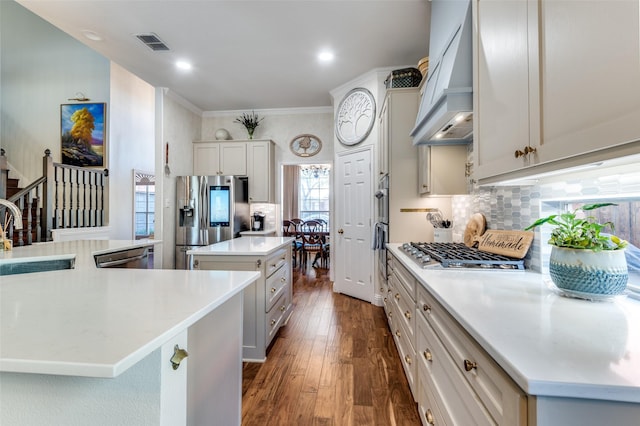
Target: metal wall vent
152 41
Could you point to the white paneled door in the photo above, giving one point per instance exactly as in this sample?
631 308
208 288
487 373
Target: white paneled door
354 216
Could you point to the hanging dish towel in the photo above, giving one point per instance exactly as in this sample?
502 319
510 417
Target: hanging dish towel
377 239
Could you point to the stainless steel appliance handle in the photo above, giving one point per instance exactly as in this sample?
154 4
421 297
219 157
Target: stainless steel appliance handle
121 261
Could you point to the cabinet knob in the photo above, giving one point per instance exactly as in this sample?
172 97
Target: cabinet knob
273 322
397 296
427 355
470 365
196 264
407 315
407 359
178 356
283 279
426 308
429 416
273 289
340 231
530 150
398 333
519 153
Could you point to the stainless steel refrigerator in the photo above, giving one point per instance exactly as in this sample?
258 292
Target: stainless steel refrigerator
209 209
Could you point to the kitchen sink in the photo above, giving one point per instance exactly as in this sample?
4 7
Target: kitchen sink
31 264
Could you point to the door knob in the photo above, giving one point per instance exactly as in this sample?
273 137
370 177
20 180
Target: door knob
340 231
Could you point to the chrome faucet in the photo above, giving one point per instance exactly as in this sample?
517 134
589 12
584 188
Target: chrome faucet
17 214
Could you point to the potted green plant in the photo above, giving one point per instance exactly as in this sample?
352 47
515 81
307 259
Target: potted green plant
250 122
584 262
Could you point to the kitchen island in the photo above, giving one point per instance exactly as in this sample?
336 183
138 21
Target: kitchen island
268 302
93 346
573 362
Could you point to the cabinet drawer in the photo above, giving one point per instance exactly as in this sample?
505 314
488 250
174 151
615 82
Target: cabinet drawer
406 308
275 261
405 278
457 402
428 409
275 316
405 350
275 285
503 399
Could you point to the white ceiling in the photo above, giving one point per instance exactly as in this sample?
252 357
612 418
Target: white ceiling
257 54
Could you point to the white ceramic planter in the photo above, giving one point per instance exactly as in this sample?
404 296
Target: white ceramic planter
589 272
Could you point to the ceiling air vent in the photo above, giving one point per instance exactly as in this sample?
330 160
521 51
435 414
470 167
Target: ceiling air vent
152 41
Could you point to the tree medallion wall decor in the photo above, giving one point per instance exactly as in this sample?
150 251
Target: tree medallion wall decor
355 116
83 134
305 145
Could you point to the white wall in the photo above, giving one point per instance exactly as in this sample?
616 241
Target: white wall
131 145
181 125
41 68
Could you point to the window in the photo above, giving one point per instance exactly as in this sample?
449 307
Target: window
144 206
314 192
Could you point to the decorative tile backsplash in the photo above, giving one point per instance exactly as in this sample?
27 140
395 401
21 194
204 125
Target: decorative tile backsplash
516 207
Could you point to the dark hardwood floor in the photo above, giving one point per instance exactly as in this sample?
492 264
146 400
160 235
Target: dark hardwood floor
334 363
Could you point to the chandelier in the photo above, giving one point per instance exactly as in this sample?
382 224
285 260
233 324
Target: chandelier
315 170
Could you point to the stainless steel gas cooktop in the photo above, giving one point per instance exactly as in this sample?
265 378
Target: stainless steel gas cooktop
458 255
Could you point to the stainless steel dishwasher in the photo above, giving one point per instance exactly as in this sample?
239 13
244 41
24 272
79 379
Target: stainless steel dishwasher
135 258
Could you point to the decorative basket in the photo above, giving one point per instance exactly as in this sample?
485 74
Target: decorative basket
423 66
406 77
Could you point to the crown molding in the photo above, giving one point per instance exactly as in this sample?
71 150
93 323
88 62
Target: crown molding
271 111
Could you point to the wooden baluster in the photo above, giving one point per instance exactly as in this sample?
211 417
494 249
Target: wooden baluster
39 207
29 213
56 196
84 199
77 198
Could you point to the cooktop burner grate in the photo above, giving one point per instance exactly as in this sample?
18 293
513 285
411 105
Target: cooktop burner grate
458 255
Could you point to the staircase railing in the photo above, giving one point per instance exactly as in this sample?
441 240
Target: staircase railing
64 197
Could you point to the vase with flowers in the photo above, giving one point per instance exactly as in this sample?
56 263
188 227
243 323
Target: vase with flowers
250 122
584 262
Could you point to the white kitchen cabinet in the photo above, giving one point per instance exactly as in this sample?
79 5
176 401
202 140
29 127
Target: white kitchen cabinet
453 380
590 76
441 169
261 171
505 85
555 85
401 297
267 303
220 158
466 385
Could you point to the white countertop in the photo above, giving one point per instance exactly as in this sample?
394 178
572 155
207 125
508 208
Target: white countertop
550 345
244 246
99 322
262 233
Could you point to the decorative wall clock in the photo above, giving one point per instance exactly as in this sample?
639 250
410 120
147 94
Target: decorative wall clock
355 116
305 145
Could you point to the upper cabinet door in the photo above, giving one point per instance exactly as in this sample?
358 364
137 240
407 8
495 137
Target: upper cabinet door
206 159
590 75
261 171
233 159
503 96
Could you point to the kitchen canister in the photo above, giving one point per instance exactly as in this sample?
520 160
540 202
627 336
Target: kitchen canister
443 235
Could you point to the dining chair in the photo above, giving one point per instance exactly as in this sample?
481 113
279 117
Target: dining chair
312 242
298 223
289 229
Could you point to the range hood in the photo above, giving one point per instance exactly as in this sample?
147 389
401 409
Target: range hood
445 115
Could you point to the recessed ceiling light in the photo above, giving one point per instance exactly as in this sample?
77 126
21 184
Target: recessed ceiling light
183 65
92 35
326 56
